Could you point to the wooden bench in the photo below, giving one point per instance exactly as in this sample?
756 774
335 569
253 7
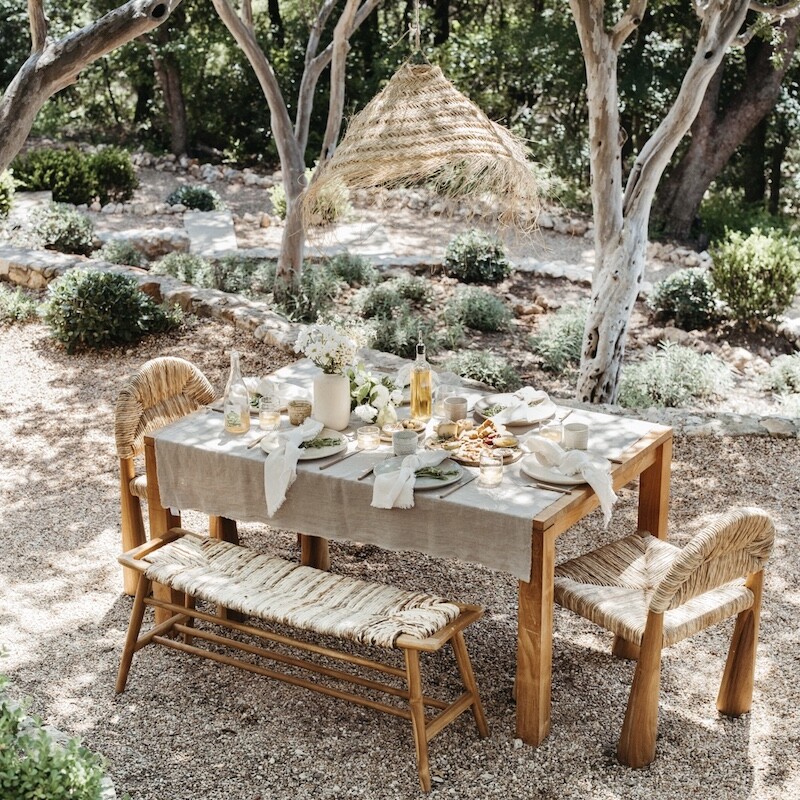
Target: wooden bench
277 591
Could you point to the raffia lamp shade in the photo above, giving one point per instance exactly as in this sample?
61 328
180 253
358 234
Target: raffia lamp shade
420 130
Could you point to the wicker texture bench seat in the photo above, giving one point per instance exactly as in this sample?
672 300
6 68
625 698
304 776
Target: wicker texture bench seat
282 592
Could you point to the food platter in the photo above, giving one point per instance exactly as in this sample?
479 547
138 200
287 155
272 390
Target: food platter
408 425
538 411
274 441
467 447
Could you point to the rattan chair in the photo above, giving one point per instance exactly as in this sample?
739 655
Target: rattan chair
652 594
159 392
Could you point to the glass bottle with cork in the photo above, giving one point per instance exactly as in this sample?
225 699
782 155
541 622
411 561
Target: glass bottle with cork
236 402
421 385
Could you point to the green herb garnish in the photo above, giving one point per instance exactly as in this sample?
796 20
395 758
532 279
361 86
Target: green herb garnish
436 473
490 411
320 441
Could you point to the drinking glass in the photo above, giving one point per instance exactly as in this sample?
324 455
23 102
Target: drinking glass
491 469
369 437
269 413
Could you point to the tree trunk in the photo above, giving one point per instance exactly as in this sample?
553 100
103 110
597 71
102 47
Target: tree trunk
754 163
169 79
719 131
55 65
293 241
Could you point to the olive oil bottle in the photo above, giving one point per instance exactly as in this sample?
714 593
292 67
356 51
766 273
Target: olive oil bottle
421 386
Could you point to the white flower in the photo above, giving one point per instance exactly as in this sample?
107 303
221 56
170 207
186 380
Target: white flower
366 413
329 348
379 396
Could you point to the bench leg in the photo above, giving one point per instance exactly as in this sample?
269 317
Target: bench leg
468 679
418 717
134 626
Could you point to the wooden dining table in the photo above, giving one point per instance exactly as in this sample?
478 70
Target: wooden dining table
217 473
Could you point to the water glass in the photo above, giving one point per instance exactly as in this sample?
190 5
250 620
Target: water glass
455 408
405 442
269 413
442 393
491 469
369 437
575 436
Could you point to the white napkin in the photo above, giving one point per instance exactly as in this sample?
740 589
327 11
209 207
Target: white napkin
521 408
280 468
282 389
594 469
396 489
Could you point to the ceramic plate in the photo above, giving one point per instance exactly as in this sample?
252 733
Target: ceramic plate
538 411
393 465
417 426
530 466
270 443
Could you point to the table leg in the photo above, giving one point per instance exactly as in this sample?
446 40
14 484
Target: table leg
535 643
314 552
161 520
224 529
654 492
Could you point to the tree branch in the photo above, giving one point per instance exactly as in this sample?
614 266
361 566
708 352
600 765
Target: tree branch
247 14
38 23
628 23
785 11
57 65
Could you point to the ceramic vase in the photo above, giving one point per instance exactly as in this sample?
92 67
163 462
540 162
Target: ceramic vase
332 401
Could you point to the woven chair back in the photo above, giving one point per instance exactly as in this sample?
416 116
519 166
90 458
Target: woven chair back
159 392
735 545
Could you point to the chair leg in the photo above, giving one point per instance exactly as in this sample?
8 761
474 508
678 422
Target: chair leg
622 648
468 679
134 626
131 522
736 689
418 717
637 742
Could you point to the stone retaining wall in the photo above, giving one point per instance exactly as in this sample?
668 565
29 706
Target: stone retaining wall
35 269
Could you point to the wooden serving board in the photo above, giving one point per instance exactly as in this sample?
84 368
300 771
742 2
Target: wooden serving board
470 457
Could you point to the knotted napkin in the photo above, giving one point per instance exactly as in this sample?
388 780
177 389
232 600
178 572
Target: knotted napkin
595 470
285 391
395 489
280 468
526 405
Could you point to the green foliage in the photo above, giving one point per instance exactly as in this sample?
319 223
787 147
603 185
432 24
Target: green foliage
63 228
382 300
121 251
485 367
673 376
757 276
355 270
114 175
476 257
200 198
726 210
688 297
33 766
400 332
318 289
783 375
15 305
87 309
480 310
332 203
559 340
7 187
67 173
234 273
186 267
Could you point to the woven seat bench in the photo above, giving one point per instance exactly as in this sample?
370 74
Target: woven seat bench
281 592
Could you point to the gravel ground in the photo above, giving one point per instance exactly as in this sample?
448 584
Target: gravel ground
188 729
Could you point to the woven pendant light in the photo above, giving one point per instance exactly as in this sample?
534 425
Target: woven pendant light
421 131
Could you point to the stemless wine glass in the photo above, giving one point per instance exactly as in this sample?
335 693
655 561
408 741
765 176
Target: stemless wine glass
269 412
491 469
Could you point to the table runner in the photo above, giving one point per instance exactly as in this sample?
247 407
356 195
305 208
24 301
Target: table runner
200 467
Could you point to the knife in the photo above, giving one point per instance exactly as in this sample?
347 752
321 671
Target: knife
457 486
337 460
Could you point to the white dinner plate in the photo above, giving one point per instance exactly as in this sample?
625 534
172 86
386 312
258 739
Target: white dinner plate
538 412
425 482
530 466
272 442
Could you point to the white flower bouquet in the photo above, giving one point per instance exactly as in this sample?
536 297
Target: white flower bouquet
328 347
369 395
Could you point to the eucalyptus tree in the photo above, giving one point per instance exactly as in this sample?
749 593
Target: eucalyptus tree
291 136
622 210
54 64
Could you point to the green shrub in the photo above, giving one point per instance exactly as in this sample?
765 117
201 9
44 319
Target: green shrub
15 305
200 198
63 228
790 404
87 309
726 210
413 288
332 204
381 300
186 267
114 175
315 297
757 276
400 332
476 257
480 310
234 273
353 269
33 765
7 188
688 297
783 375
560 338
673 376
67 173
485 367
121 251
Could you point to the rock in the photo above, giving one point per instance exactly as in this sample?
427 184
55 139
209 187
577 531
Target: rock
109 208
739 357
249 218
95 206
780 427
250 179
177 208
672 334
266 221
